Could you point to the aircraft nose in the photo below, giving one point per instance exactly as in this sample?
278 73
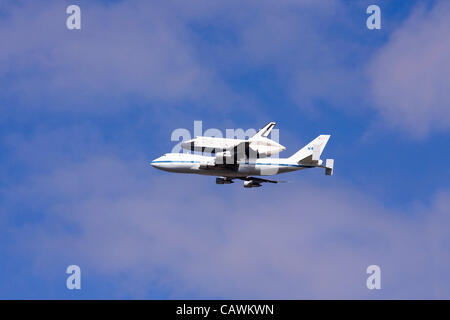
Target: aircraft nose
156 163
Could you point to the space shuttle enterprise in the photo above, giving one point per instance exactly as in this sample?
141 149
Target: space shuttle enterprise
231 150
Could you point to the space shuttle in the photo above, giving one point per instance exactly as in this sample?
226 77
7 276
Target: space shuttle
258 146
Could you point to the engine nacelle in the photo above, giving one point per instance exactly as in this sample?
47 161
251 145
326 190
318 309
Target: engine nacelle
223 181
251 184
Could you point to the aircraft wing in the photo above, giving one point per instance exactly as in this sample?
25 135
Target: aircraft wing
259 180
249 182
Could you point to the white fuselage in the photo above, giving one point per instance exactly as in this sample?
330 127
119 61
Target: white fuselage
199 164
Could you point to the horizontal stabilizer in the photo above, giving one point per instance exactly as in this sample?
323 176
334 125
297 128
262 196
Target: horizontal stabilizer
329 166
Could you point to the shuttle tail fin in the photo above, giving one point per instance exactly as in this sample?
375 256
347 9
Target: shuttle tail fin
264 132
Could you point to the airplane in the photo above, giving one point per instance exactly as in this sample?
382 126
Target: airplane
229 165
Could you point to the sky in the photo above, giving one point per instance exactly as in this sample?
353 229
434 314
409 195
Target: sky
83 112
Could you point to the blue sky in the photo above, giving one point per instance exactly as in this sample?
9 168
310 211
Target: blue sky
84 111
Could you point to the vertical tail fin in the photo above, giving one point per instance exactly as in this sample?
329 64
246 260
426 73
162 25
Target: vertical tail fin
264 132
312 151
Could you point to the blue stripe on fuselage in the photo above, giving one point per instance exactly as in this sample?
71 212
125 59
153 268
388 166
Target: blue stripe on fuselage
166 161
247 163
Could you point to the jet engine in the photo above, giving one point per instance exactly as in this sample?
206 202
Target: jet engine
220 180
251 184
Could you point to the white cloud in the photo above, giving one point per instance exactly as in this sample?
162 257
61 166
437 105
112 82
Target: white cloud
155 53
410 75
124 51
299 240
